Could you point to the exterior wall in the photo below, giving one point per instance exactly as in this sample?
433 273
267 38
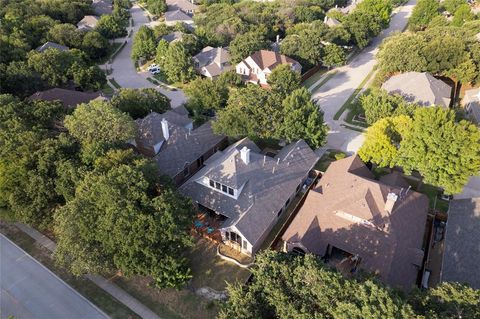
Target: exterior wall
194 167
244 250
242 69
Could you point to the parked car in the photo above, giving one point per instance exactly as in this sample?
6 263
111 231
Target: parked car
155 70
152 66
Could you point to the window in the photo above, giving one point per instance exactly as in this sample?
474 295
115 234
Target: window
245 245
218 185
212 183
279 212
288 202
230 191
186 171
298 187
224 188
200 161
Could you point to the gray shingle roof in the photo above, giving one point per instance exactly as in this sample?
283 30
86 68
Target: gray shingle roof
173 36
102 7
471 101
420 88
177 15
88 22
461 258
52 45
267 184
213 60
183 5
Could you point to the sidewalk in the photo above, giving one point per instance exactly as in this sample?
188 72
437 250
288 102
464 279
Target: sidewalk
119 294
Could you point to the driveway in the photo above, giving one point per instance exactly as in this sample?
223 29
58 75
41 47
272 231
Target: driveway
29 290
124 71
336 91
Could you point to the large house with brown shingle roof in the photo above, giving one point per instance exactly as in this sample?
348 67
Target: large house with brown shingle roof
354 221
258 66
177 147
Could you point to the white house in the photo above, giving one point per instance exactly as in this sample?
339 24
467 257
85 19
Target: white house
258 66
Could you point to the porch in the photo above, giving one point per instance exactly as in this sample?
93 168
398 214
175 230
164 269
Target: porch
207 224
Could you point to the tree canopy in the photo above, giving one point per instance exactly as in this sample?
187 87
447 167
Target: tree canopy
139 103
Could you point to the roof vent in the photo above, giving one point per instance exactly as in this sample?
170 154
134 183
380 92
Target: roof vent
245 155
391 199
166 133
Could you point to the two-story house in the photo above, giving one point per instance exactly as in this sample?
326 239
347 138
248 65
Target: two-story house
211 62
258 66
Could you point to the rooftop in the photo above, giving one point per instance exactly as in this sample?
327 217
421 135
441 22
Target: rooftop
69 98
52 45
270 59
177 15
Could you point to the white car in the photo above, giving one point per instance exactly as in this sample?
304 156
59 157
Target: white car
152 66
155 70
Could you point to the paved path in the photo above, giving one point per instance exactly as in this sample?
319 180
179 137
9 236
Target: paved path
336 91
118 293
29 290
124 71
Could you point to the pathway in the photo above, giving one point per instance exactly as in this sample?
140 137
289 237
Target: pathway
335 92
118 293
29 290
124 71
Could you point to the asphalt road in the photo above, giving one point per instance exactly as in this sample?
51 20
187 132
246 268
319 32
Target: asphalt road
29 290
124 71
336 91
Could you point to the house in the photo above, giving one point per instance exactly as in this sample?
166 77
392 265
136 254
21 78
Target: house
461 258
177 16
69 98
186 6
52 45
178 148
353 221
211 62
258 66
173 37
331 22
249 190
101 7
471 103
420 88
87 23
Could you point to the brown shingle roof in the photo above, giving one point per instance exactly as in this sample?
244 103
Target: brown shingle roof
270 59
347 210
69 98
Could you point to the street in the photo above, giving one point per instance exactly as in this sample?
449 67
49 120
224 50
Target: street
336 91
124 71
29 290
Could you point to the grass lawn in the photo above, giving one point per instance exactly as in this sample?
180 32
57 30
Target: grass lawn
107 89
432 193
314 78
380 171
207 269
323 163
111 49
85 287
115 84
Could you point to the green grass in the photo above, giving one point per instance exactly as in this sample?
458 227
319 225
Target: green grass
355 110
433 193
380 171
327 77
353 128
117 50
115 84
85 287
314 78
107 89
323 163
111 50
7 215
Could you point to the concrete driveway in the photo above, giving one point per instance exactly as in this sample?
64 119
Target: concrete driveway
336 91
29 290
124 71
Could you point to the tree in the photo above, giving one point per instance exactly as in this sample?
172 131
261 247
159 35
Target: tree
99 121
88 78
444 152
283 80
95 45
378 104
382 140
452 5
17 78
462 15
423 13
139 103
363 26
52 65
143 44
65 34
119 226
206 94
161 52
302 120
334 55
111 27
306 44
403 53
157 6
177 64
381 8
244 45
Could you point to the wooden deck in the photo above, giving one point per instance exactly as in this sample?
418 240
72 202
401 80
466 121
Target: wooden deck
207 226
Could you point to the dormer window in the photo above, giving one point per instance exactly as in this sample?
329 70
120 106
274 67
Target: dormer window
223 188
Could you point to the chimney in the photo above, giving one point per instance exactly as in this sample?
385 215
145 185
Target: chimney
325 19
166 133
278 39
245 155
264 159
278 160
391 199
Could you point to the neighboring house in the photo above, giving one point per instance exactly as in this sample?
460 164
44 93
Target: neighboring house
420 88
471 103
211 62
461 258
69 98
183 5
173 37
52 45
258 66
353 221
177 16
250 190
87 23
178 149
101 7
331 22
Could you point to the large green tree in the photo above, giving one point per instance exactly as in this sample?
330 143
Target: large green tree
423 13
177 64
283 80
140 102
245 44
143 44
206 94
378 104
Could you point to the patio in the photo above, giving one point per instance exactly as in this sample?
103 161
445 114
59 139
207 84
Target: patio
207 225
